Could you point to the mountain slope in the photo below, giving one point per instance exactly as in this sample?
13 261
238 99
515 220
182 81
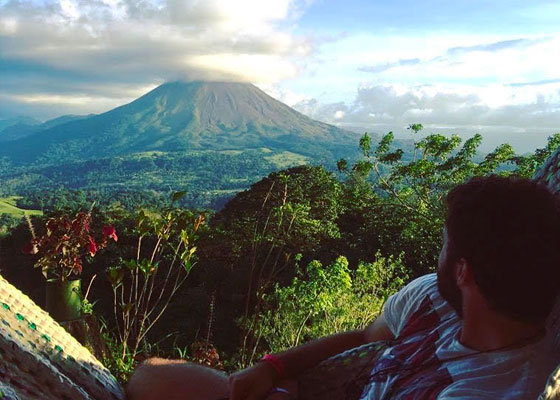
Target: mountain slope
23 129
182 116
21 120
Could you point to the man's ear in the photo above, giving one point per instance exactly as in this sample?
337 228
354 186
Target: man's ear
463 273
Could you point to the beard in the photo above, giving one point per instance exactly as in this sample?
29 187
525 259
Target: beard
447 286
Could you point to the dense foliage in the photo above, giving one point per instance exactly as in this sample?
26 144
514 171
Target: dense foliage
301 253
326 299
210 178
405 211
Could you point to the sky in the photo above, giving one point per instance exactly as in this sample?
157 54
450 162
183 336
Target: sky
456 66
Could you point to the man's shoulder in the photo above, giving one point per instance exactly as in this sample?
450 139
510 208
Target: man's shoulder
417 291
424 283
419 296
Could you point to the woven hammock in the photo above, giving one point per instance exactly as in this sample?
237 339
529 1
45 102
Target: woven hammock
549 175
40 360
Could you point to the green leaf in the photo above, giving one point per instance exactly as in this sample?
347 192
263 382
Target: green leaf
188 265
365 144
342 165
415 127
384 144
178 195
115 275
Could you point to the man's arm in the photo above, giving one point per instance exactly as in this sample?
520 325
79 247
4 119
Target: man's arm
378 330
255 382
298 359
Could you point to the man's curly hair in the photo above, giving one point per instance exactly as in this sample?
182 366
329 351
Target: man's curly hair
508 231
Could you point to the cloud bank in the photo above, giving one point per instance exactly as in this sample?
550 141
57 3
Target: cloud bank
383 108
95 54
507 89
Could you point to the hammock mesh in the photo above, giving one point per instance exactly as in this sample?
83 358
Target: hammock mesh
40 360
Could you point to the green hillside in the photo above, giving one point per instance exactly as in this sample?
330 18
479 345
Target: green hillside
8 206
209 177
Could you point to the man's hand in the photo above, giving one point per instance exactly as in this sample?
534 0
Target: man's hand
255 382
252 383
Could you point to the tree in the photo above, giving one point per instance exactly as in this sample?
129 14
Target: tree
327 299
255 237
408 210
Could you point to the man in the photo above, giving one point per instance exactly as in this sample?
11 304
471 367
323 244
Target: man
475 330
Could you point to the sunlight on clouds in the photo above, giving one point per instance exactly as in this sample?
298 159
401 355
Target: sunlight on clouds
104 53
69 9
532 112
97 100
247 11
74 41
8 26
339 114
252 68
54 99
288 97
57 99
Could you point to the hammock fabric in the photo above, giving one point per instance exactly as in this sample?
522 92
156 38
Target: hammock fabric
549 175
343 376
40 360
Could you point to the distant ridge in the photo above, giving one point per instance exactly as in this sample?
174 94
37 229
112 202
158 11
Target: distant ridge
179 116
29 126
21 120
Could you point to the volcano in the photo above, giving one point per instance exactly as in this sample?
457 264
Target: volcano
183 117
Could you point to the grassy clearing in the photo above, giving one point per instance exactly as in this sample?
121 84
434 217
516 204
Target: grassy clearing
8 206
286 159
224 191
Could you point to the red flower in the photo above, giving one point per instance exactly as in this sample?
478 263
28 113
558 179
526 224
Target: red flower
92 248
109 231
52 225
77 265
80 224
30 248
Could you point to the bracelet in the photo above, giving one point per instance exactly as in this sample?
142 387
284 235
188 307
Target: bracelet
276 363
275 390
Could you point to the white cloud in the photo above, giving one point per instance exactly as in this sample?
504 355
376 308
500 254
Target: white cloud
69 9
459 59
75 42
82 56
339 114
506 87
493 111
8 26
286 96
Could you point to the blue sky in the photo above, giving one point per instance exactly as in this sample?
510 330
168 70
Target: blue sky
384 17
461 66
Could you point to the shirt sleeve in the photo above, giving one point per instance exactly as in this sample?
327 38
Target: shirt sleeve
471 395
400 306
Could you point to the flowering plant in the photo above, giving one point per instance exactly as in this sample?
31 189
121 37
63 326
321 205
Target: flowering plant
65 244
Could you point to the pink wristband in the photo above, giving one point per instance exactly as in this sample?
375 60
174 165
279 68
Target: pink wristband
276 363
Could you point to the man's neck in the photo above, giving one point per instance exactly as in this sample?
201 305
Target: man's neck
485 330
